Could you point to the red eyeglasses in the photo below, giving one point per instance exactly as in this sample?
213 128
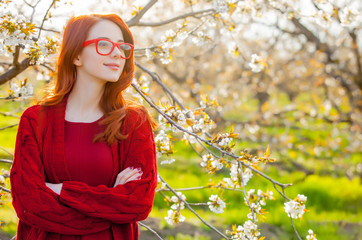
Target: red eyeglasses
105 47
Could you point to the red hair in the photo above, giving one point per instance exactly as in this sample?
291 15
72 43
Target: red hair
112 102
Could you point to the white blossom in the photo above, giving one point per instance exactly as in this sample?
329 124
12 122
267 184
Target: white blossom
163 142
209 160
349 16
295 208
174 217
248 231
216 205
311 235
256 63
178 205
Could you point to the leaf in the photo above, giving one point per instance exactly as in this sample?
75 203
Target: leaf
267 153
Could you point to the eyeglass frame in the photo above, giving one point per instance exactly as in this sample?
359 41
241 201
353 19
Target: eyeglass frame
88 42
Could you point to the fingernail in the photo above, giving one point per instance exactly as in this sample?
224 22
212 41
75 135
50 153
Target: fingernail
138 178
131 168
139 169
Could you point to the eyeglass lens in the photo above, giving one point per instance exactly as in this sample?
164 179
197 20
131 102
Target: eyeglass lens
105 47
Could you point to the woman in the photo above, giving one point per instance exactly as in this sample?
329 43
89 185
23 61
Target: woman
85 161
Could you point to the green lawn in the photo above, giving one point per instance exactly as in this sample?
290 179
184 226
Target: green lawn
334 203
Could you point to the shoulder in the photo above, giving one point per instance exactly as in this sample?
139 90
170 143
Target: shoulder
36 115
32 112
137 119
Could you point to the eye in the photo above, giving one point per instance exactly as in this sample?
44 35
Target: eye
125 47
104 44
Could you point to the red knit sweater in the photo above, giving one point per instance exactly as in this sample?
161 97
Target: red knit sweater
81 211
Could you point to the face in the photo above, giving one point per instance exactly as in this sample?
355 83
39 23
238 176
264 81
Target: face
92 65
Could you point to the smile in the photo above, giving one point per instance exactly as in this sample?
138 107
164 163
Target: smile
113 66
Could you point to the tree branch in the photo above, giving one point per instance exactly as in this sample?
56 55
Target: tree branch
5 161
135 20
45 17
16 70
5 189
150 229
190 14
192 210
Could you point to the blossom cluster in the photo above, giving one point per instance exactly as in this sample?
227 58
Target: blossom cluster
17 31
296 208
142 83
257 63
170 40
248 231
173 215
211 164
14 30
201 39
224 140
348 16
23 89
234 180
257 200
186 119
311 235
216 205
163 144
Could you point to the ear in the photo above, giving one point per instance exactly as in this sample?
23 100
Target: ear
77 61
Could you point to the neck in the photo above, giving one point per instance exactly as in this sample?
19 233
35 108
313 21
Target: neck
85 96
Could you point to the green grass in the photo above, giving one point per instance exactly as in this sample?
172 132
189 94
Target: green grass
334 203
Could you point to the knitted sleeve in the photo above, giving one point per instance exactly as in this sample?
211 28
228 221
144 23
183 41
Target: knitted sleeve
125 203
35 204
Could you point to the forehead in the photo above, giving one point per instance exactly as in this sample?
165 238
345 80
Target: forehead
105 28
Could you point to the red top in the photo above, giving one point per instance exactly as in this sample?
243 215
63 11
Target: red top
87 162
82 210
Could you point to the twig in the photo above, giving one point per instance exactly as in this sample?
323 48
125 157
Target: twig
5 114
190 14
150 229
291 220
158 80
190 208
45 16
6 160
6 151
5 189
243 184
14 125
201 187
135 20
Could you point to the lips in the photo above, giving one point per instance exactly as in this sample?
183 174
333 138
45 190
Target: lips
112 65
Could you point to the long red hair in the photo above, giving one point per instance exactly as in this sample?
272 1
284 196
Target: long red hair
112 102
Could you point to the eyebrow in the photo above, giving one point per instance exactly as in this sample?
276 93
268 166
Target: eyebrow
121 40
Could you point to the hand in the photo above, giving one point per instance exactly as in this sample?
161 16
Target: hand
56 187
128 174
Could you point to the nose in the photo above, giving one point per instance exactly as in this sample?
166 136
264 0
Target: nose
116 52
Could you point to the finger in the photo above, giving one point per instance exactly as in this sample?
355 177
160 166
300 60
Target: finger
132 178
127 175
120 175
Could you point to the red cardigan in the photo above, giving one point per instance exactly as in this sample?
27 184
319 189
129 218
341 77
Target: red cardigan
80 209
